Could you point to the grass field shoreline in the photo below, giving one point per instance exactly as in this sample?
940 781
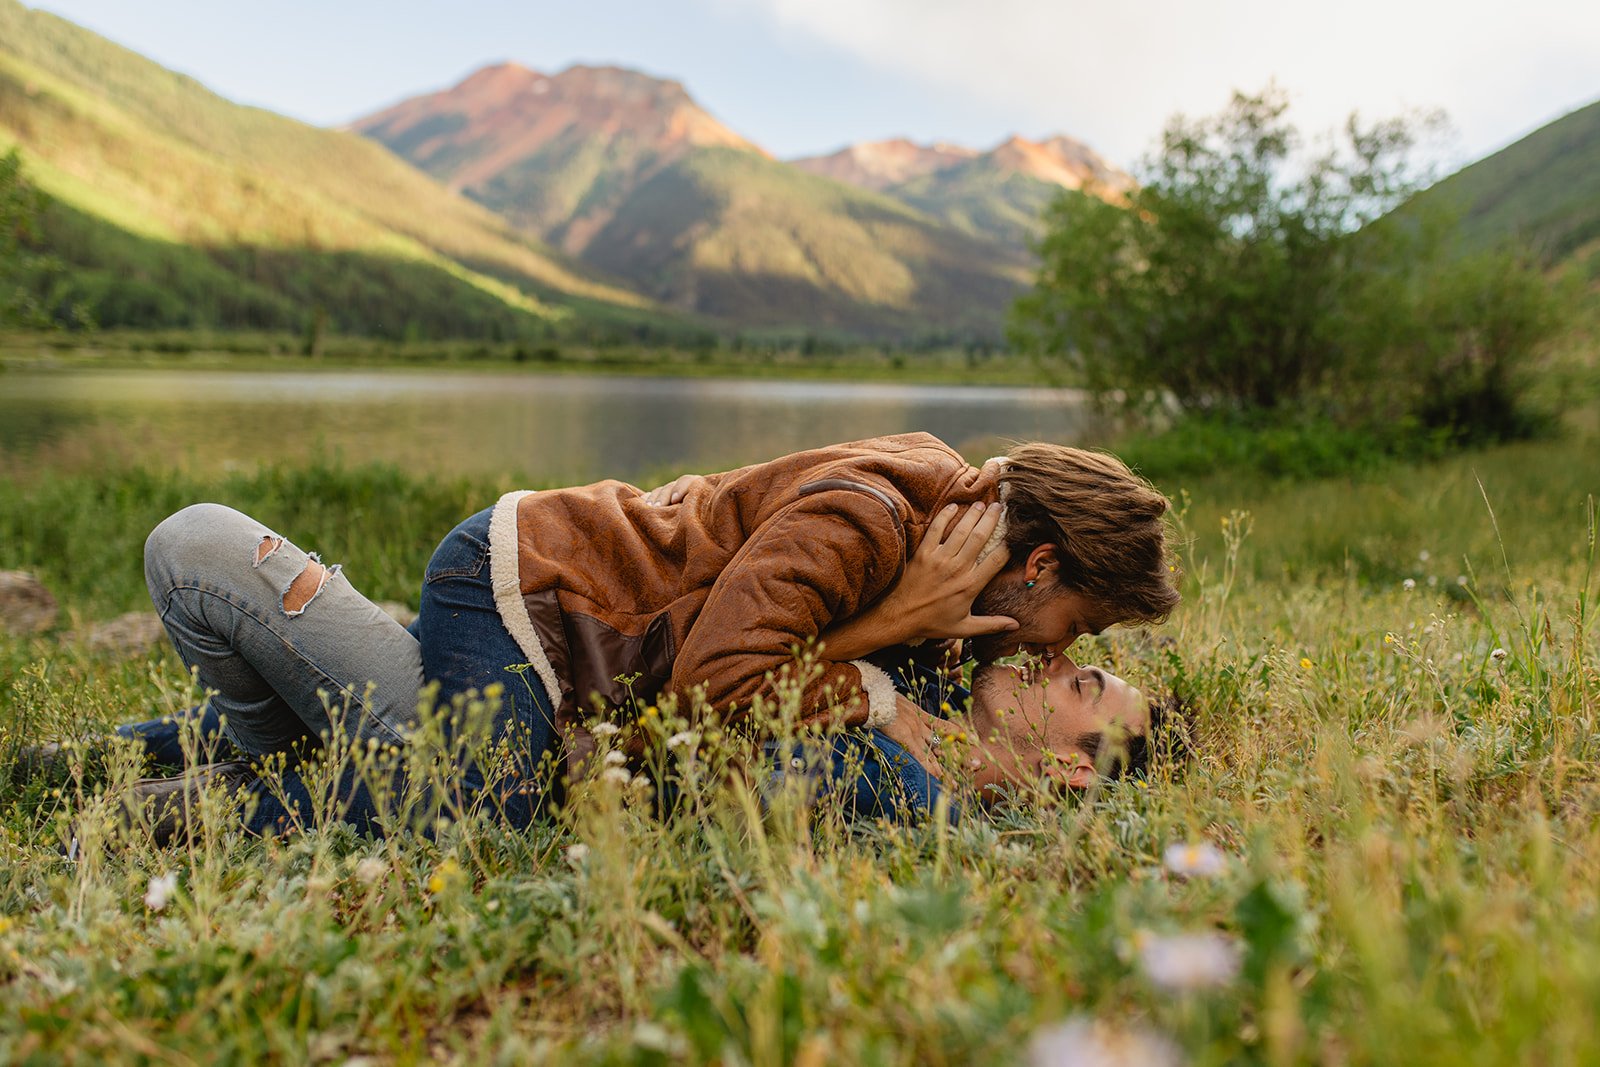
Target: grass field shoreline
267 353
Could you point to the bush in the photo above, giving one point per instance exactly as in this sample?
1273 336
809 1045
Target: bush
1277 449
1241 277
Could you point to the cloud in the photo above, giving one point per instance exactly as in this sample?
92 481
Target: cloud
1111 73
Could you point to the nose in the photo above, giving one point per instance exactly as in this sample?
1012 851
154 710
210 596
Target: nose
1061 665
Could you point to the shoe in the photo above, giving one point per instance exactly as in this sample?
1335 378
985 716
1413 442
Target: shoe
61 759
167 802
35 761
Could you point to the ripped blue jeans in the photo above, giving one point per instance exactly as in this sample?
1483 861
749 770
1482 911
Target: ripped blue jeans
282 674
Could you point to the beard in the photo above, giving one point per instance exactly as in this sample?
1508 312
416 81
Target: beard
990 683
1009 599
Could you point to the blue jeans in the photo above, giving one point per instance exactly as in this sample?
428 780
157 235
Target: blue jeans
268 671
465 647
282 681
871 776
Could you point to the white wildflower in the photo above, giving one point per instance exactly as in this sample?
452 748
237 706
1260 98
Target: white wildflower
1409 584
1185 962
1498 655
683 737
615 759
604 729
1085 1042
370 870
1203 860
616 775
1461 580
576 854
160 891
1423 556
640 781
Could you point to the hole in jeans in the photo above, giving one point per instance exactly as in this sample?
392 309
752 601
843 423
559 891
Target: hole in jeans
306 585
269 544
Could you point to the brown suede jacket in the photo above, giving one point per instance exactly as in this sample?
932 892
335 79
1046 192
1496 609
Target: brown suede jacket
614 599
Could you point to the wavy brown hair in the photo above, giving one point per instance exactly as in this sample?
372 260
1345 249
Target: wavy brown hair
1107 523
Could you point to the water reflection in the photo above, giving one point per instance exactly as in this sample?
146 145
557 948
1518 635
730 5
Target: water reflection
557 428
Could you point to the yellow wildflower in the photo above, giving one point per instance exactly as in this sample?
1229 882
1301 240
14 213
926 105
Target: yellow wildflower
443 875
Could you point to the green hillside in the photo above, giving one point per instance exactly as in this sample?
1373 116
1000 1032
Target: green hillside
1544 189
175 207
739 236
981 199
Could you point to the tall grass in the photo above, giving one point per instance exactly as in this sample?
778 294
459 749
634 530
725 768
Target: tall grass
1400 779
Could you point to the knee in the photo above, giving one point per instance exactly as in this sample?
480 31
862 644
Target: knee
198 533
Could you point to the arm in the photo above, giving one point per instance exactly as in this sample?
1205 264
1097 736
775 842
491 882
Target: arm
933 598
914 730
823 557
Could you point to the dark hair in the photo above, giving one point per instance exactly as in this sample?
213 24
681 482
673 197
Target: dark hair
1168 741
1106 523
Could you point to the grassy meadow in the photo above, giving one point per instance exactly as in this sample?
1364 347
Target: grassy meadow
1393 800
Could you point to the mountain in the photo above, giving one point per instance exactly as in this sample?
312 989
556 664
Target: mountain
750 240
176 207
1000 194
878 165
628 173
554 154
1544 189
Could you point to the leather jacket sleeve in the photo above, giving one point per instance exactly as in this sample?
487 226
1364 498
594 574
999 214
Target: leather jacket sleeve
825 556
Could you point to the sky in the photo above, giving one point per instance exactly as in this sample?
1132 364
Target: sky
805 77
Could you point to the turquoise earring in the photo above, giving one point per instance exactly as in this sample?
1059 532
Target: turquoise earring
1030 585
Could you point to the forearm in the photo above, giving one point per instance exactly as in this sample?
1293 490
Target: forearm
865 634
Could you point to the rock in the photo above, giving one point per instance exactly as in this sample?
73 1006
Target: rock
398 612
26 606
126 635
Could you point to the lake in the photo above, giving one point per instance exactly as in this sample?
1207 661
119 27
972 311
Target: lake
563 428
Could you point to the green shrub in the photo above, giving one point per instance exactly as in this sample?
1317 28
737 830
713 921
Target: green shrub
1242 277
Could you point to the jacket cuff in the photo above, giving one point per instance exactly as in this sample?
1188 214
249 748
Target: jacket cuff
881 707
997 538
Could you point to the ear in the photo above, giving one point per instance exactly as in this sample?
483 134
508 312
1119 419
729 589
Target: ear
1078 776
1081 777
1042 560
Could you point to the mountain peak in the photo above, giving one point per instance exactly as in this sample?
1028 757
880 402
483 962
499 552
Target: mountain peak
622 83
504 113
498 79
1061 161
558 152
881 164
